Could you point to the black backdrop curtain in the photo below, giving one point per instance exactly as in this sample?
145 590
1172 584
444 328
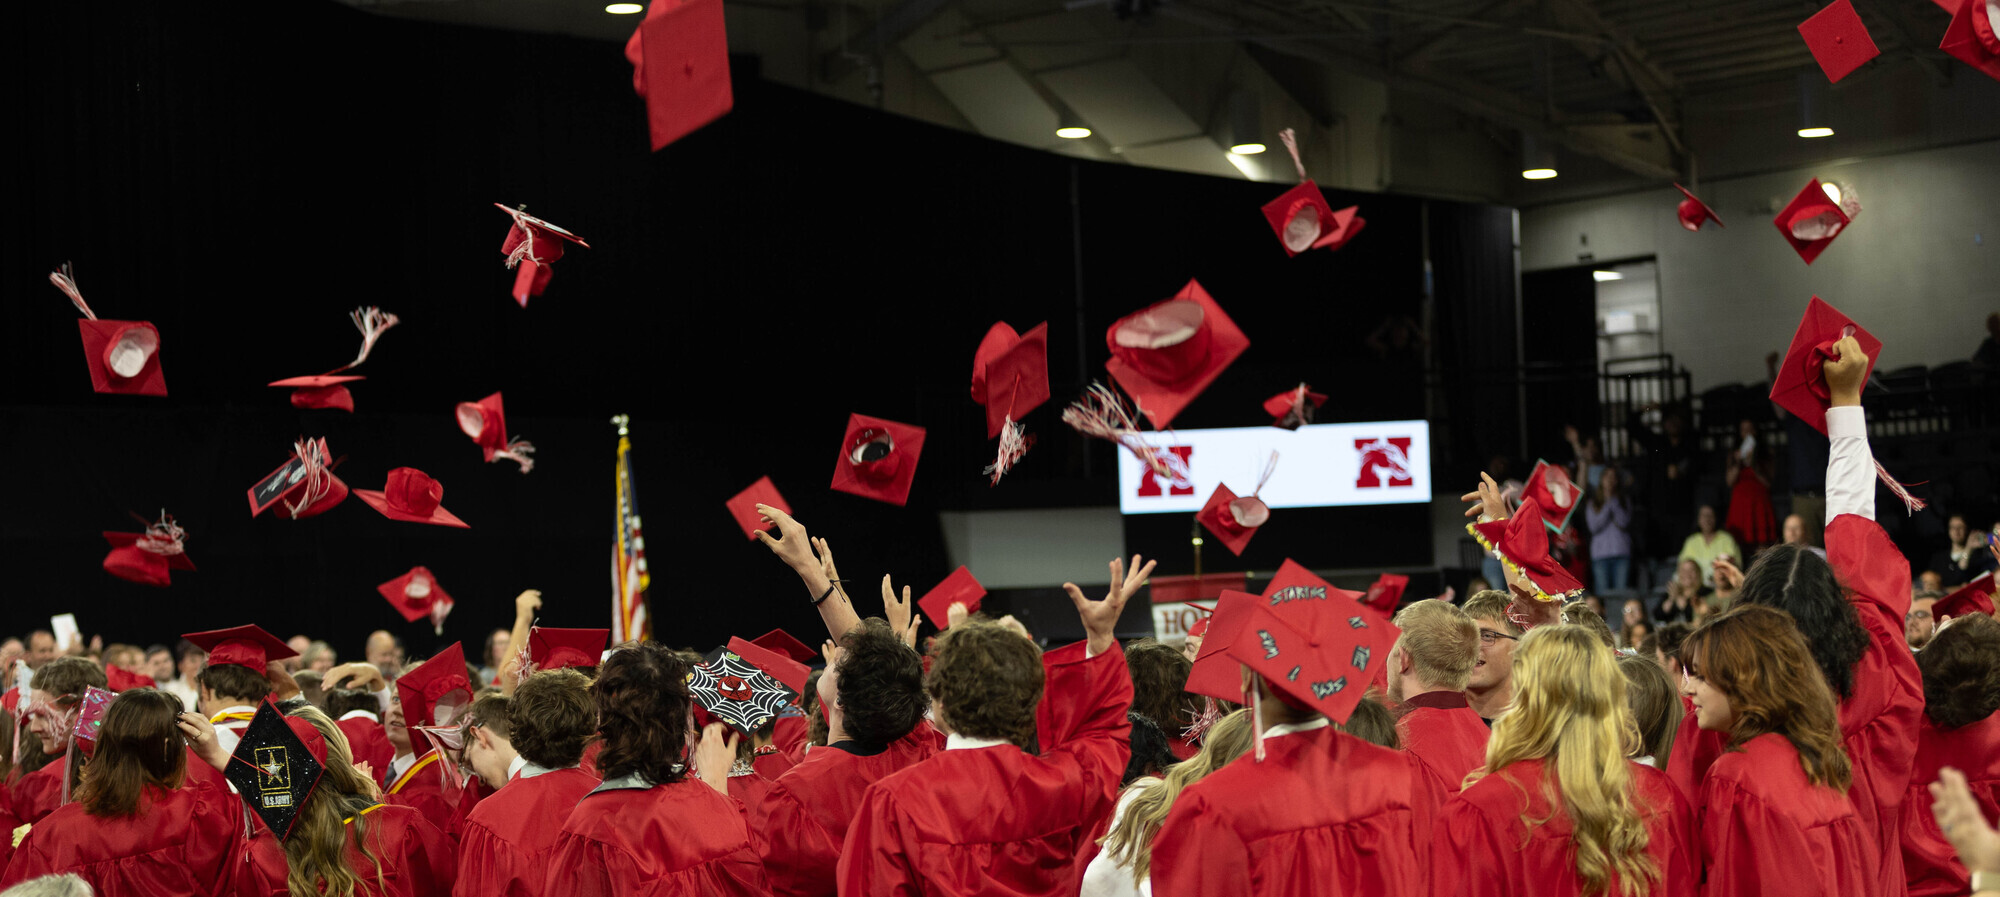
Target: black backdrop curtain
243 174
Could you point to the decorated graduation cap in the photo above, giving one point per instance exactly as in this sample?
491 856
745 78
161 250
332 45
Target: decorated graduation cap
1294 407
531 247
301 487
556 649
1169 352
1975 597
249 647
96 701
429 690
1214 674
1301 216
743 506
120 679
1387 590
147 558
1522 543
417 595
328 390
1800 386
410 495
680 67
124 356
1321 658
1812 219
1235 519
1010 377
1971 38
780 666
878 459
486 422
734 691
782 642
1554 492
1838 40
277 764
958 588
1693 212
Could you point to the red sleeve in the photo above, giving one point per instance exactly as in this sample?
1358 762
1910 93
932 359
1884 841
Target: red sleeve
1751 849
38 793
1877 577
1473 856
8 823
788 733
29 862
800 856
1082 712
489 866
875 861
429 860
1198 854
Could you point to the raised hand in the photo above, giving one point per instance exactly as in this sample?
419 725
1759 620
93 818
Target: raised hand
792 545
1100 618
1845 375
714 756
200 736
828 570
526 603
1958 818
366 677
898 611
955 614
1487 502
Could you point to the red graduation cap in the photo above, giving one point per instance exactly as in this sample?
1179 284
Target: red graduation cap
417 595
1200 627
556 649
782 642
320 391
1221 517
878 459
743 506
1693 212
1838 40
1971 38
1294 407
1975 597
1812 219
1551 488
780 667
1799 387
124 356
1214 673
958 588
486 422
1010 377
119 679
424 688
531 247
301 487
1303 220
1167 353
411 495
680 66
249 647
1522 543
146 558
1387 591
1321 659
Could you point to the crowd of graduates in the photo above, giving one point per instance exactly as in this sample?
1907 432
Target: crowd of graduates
1297 744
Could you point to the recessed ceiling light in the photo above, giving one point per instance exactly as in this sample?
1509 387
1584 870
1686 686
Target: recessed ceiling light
1815 132
1602 276
1073 133
1539 174
624 9
1247 149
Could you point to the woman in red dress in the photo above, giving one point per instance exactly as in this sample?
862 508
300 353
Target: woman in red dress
1748 471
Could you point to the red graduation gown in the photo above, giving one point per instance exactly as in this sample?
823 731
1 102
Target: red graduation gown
748 789
772 762
1324 813
996 820
182 842
1446 736
422 788
1768 832
416 856
38 793
505 848
628 840
369 744
1929 861
1484 845
807 811
8 823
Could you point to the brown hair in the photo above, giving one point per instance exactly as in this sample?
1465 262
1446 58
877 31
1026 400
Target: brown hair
138 747
1656 704
230 680
1159 685
1753 654
1441 642
67 676
316 853
494 713
1373 723
985 683
343 701
1961 670
552 718
1491 604
643 712
1578 613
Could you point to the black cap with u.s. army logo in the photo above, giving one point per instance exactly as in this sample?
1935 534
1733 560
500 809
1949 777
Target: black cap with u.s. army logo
276 766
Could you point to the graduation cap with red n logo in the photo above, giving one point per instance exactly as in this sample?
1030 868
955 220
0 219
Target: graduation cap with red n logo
124 356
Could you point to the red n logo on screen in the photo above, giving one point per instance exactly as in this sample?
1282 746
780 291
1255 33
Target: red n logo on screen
1150 486
1384 462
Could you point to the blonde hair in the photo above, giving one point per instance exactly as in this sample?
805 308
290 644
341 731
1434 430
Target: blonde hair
316 852
1130 841
1441 642
1570 709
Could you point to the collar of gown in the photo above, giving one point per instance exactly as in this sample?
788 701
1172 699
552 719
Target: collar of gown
632 782
1289 728
957 742
357 714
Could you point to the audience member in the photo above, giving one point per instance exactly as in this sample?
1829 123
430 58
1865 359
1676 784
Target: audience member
189 665
1747 470
1671 635
1609 516
1684 594
1794 532
1918 626
1706 543
1964 556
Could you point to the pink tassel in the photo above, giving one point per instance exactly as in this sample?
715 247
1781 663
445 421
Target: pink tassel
314 456
371 321
1292 143
1101 413
1911 502
1211 713
1270 467
66 282
163 538
518 450
1014 443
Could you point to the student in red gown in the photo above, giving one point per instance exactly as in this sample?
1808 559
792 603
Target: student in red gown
1124 866
54 695
530 754
357 712
134 827
237 676
1775 816
431 694
650 830
1961 729
1559 810
985 816
1159 692
1428 670
873 689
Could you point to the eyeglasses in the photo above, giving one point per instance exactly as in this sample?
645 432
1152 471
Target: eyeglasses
1488 636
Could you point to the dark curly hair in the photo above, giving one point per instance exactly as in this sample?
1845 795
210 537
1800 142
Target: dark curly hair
1793 579
1961 669
1159 685
343 701
552 718
643 711
880 685
985 681
1150 755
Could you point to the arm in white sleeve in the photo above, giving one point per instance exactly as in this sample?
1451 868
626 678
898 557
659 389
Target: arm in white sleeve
1850 466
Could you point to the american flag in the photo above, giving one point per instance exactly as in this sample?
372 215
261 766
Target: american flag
628 554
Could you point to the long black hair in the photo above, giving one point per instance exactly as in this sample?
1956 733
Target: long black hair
1799 582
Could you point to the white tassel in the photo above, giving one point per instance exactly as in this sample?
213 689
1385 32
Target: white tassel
1100 413
66 282
1911 502
1257 714
1292 143
163 538
316 486
518 450
1014 443
371 321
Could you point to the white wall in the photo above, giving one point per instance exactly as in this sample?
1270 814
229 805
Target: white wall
1919 267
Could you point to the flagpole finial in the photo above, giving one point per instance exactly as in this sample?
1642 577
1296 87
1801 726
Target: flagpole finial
621 421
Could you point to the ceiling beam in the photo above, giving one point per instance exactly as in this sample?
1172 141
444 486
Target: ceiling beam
1634 71
869 41
1428 48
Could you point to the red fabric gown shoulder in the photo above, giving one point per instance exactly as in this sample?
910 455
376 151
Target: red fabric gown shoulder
418 859
1767 832
748 789
37 794
1483 847
1929 861
1323 813
370 745
807 811
183 842
8 823
505 849
1447 743
422 788
664 841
